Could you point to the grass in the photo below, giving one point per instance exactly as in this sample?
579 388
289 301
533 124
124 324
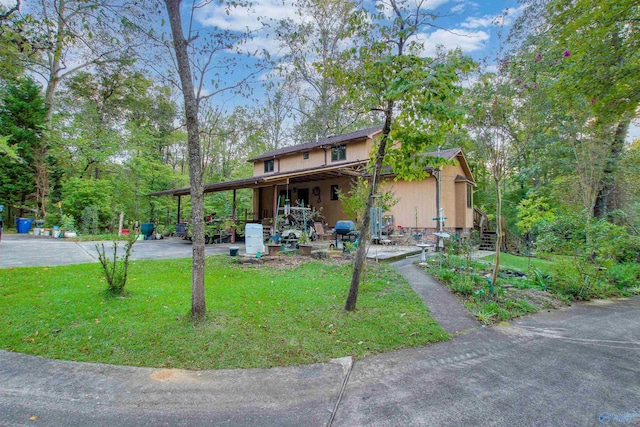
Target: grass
258 316
519 263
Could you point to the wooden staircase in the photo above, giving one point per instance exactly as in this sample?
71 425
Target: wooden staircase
488 241
487 236
510 241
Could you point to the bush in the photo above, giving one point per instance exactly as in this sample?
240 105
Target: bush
116 268
561 234
463 285
624 276
601 241
579 280
610 242
90 221
81 193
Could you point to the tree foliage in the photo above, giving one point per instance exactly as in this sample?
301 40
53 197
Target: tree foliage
385 73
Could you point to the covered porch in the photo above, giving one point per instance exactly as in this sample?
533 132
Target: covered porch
315 188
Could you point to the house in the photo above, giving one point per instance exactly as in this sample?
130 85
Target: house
310 174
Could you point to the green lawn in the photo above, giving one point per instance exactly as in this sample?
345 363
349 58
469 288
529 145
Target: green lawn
258 316
521 263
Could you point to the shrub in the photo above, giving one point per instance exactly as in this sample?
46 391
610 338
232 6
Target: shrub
624 276
116 268
610 242
80 193
561 234
578 280
90 221
463 284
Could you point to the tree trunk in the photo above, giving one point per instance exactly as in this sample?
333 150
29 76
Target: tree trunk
366 218
198 305
605 202
496 268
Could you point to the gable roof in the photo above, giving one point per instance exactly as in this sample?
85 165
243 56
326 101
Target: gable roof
448 154
330 141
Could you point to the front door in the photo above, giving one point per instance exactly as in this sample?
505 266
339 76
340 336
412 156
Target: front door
303 196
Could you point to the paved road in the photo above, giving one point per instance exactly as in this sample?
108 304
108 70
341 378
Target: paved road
24 250
566 367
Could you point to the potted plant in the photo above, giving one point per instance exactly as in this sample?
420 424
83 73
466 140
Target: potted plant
304 243
68 226
159 232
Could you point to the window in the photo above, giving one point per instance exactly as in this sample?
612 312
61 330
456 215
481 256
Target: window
339 153
334 192
469 196
305 155
268 165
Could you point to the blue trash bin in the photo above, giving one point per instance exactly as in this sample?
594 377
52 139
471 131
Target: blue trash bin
23 225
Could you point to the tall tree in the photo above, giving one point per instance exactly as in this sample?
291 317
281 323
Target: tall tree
199 57
22 118
78 34
600 42
198 302
316 38
413 94
494 127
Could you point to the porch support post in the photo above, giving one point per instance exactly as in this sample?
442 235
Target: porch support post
233 217
179 201
275 208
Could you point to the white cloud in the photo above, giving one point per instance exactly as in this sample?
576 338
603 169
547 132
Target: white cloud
243 19
434 4
473 23
255 46
467 41
505 18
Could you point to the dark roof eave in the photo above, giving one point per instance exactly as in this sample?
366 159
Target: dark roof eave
263 180
330 141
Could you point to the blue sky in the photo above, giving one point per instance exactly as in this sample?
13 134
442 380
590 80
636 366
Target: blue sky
471 26
478 28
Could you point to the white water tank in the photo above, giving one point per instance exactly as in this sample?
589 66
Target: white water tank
253 239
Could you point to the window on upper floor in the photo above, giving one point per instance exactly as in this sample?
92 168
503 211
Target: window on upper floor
305 155
469 196
339 153
268 165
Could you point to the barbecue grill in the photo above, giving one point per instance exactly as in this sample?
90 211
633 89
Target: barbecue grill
344 230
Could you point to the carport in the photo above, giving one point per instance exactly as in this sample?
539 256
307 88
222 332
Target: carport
275 181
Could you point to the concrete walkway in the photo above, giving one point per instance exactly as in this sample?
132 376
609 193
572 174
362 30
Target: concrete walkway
443 305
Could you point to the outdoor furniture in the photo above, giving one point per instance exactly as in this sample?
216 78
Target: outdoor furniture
322 235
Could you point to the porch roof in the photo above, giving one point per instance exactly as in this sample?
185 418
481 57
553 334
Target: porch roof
293 177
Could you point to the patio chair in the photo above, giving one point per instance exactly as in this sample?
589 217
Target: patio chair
322 235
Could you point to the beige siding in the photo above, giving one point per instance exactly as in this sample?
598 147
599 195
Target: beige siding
448 198
461 205
416 205
416 199
317 157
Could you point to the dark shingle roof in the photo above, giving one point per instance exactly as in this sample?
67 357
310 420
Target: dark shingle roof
330 141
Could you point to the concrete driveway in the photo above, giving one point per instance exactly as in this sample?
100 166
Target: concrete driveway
24 251
578 366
